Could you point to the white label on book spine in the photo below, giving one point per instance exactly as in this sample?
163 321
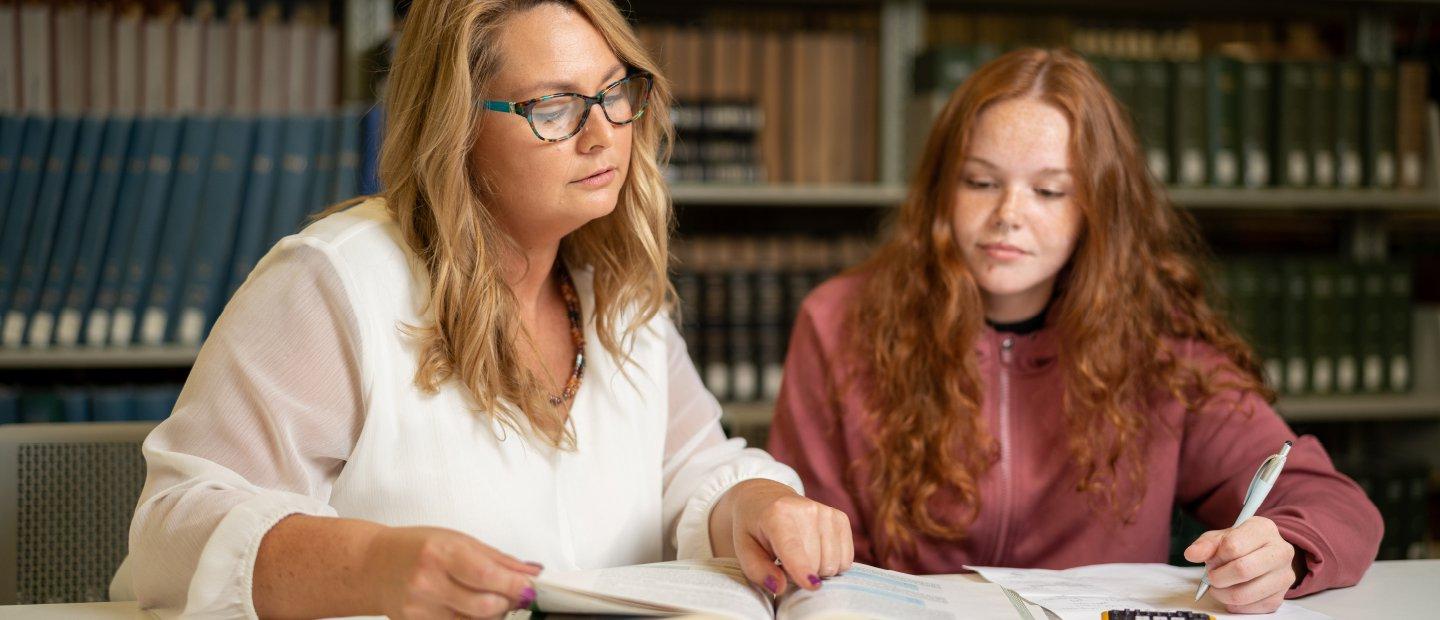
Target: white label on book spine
1410 171
1298 170
1159 162
1295 369
1274 372
14 329
774 374
192 323
1374 373
747 379
717 378
1385 169
1226 168
1257 169
42 325
122 328
1192 167
1350 170
98 328
1399 373
1324 168
152 327
67 333
1346 374
1322 376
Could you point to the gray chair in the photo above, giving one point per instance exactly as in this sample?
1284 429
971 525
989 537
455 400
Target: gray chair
67 493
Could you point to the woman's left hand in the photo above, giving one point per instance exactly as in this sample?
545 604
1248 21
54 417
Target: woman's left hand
1250 566
759 521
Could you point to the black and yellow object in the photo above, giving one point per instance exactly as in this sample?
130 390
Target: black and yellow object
1145 614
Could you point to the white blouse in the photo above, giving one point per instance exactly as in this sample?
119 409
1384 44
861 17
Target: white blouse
302 401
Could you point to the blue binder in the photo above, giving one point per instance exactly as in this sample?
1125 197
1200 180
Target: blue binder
322 184
140 262
373 131
251 234
83 170
180 227
215 239
48 201
113 404
122 233
28 172
85 274
12 130
347 159
297 163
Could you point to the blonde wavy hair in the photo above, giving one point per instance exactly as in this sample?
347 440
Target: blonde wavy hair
447 53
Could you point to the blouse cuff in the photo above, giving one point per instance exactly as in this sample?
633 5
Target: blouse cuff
222 583
692 533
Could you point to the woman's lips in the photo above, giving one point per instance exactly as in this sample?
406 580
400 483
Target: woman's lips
598 180
1002 252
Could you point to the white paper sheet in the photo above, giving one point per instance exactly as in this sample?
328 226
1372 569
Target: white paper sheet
869 592
1082 593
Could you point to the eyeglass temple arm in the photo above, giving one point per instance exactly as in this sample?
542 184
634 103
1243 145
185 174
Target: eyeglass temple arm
503 106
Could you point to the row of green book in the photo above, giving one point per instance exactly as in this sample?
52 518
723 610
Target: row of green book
1226 122
111 403
1324 326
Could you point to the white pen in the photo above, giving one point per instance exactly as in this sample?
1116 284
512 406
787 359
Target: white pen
1254 496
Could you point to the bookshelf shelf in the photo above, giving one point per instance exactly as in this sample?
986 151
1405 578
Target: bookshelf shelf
1278 199
134 357
1293 409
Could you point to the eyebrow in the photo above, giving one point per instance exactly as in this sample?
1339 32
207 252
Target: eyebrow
554 86
984 162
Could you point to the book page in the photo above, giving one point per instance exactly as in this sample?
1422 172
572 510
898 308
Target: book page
869 592
1084 592
662 589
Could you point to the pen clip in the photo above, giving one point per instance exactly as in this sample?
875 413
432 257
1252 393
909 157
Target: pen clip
1268 469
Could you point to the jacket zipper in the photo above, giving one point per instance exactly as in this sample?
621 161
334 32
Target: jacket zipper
1007 347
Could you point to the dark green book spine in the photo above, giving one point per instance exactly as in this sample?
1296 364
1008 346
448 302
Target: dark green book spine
1269 323
1322 124
1295 329
1347 328
1291 161
1371 337
1188 122
1153 116
1399 308
1255 124
1320 324
1379 113
1221 146
1349 84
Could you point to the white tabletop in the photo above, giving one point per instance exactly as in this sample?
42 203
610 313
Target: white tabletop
1394 589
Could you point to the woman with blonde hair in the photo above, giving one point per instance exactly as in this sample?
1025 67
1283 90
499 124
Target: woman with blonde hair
417 401
1028 372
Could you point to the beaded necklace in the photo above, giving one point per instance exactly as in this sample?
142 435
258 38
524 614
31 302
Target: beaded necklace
577 335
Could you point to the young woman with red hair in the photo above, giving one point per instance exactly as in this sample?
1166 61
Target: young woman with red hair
1027 373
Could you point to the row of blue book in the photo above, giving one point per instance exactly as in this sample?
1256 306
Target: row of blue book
135 230
111 403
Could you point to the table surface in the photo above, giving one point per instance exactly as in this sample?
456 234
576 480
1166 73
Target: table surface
1394 589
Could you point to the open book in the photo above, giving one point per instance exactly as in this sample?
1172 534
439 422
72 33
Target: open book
718 588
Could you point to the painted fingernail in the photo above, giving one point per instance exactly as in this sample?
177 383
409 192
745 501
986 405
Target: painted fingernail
771 584
537 565
814 581
527 596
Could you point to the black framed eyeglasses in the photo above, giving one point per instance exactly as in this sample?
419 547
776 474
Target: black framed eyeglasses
560 116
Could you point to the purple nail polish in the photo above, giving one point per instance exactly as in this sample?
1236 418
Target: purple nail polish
537 565
814 581
771 584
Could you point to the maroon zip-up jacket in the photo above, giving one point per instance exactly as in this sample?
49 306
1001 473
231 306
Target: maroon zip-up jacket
1030 513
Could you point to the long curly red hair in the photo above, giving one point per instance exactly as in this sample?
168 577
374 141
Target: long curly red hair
1133 286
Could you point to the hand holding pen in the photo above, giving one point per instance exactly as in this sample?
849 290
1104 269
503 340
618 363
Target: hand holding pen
1249 564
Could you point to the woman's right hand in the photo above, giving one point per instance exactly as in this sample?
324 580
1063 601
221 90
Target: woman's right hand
427 572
